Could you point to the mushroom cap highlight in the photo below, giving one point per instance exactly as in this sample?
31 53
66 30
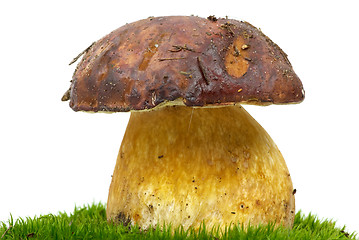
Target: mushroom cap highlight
183 60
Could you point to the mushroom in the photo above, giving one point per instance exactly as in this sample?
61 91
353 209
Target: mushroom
191 153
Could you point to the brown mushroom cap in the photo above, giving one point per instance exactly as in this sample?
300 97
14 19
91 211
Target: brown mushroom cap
195 60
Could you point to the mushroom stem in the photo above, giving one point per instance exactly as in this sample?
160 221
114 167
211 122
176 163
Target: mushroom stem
184 165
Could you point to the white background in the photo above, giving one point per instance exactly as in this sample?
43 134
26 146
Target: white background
52 158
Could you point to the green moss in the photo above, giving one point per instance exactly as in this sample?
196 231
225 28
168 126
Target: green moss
90 223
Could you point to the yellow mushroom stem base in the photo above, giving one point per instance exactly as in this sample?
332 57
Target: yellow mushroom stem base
184 166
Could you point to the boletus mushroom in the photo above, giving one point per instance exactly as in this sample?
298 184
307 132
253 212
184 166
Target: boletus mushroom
191 153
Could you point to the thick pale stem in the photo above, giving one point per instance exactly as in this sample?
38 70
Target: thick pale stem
183 166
